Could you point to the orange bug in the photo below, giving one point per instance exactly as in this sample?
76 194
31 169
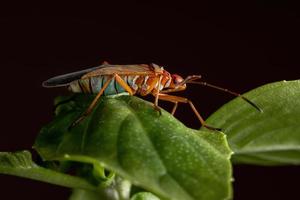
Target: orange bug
142 79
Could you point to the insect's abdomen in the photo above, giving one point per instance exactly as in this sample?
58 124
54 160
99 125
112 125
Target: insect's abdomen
95 84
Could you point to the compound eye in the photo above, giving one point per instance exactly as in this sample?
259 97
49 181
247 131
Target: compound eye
177 79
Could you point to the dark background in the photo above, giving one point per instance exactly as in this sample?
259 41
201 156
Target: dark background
235 45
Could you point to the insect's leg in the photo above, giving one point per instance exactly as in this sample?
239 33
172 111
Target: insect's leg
172 90
174 108
123 84
157 93
175 103
94 102
177 99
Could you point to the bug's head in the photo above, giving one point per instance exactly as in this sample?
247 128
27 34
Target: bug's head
177 82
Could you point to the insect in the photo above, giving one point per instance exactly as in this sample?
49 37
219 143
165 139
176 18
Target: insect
141 79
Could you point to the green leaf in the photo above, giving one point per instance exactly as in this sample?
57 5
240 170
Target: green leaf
21 164
108 194
79 194
144 196
126 135
268 138
118 190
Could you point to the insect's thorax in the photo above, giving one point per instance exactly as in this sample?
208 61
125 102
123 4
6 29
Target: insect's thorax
139 84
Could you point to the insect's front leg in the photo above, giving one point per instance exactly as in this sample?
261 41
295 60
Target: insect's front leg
178 99
170 90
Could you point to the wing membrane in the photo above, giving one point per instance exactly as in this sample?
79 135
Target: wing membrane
141 69
65 79
105 69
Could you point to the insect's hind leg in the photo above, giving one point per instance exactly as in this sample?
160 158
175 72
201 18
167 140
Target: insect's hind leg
177 99
123 84
94 102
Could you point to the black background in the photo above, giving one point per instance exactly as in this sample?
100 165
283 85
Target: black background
235 45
